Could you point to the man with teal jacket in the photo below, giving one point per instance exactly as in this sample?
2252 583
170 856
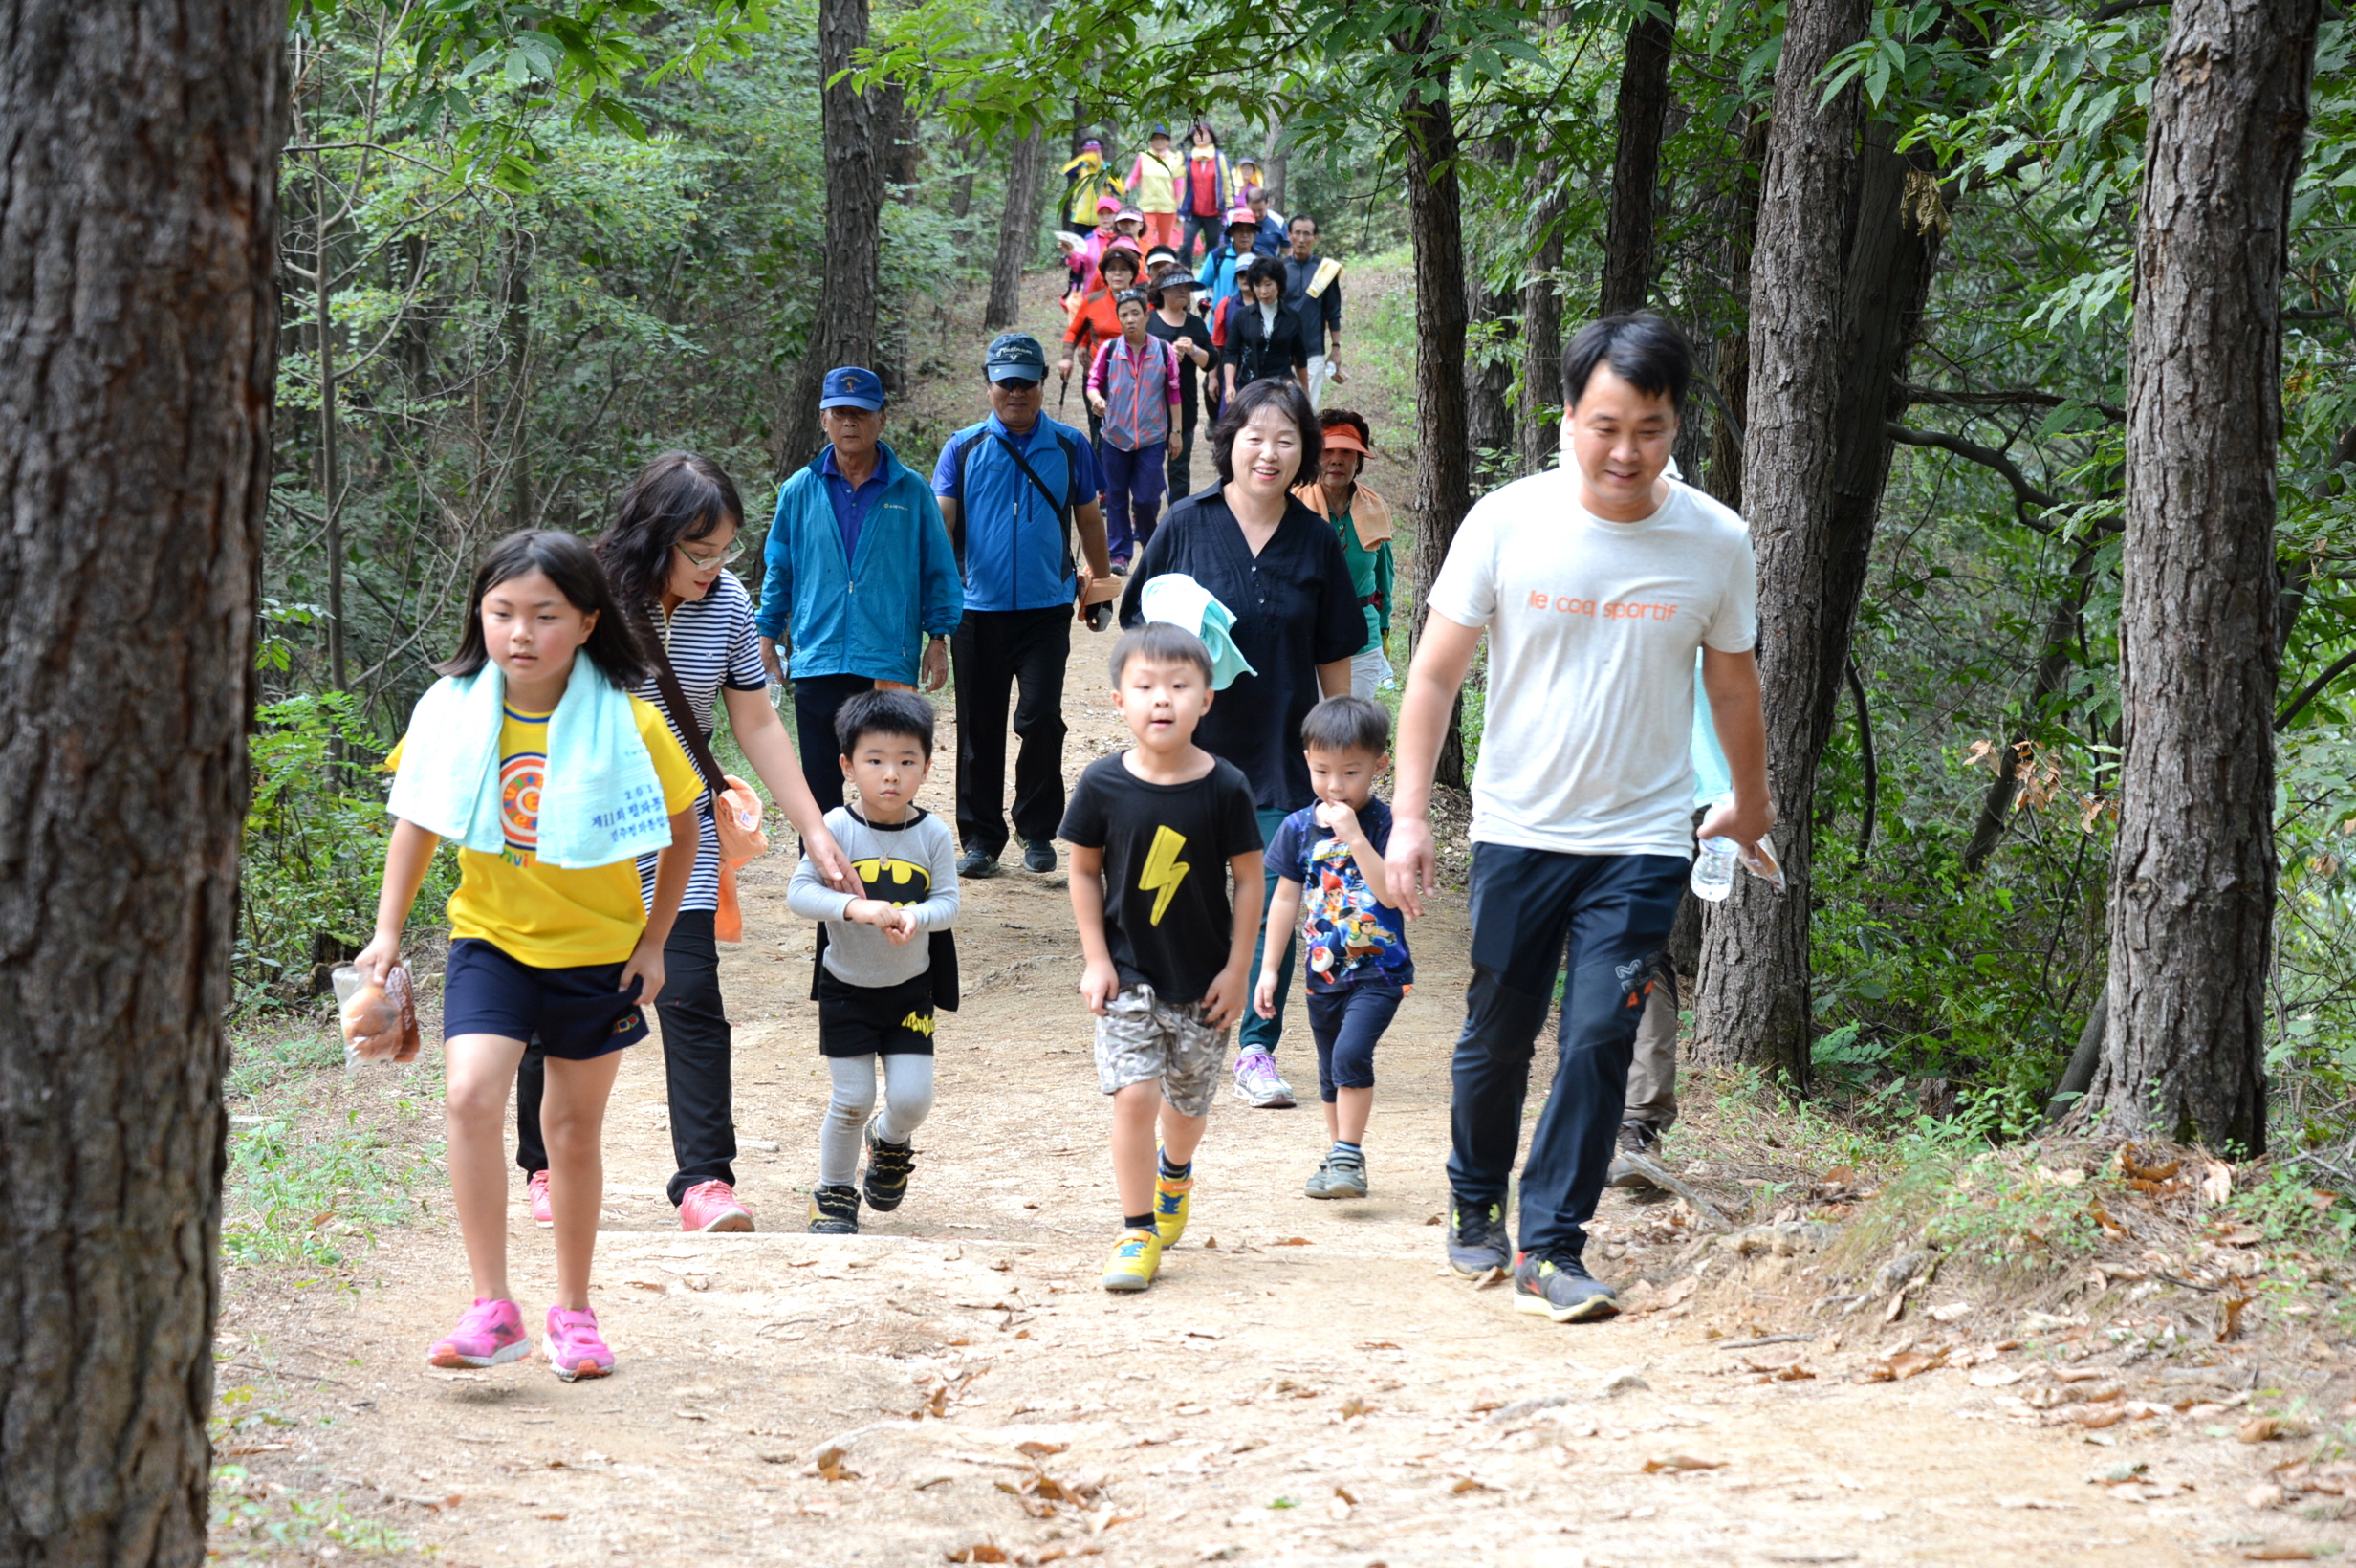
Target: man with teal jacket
859 573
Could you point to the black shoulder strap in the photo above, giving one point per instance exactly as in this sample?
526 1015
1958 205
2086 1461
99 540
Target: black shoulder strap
1062 509
682 716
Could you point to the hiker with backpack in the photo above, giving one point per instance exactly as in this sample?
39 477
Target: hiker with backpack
1014 489
1133 390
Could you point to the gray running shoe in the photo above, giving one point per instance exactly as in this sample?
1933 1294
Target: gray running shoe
1478 1242
1559 1288
974 862
1636 1138
1345 1174
1320 1183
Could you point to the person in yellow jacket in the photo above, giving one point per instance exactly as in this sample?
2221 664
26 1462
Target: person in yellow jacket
1155 177
1085 180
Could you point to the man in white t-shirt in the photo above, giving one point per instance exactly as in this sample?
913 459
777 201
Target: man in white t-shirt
1595 583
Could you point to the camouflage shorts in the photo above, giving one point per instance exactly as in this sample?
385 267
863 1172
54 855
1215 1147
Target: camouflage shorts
1141 1039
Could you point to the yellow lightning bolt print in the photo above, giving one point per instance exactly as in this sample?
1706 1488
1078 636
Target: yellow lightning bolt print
1164 870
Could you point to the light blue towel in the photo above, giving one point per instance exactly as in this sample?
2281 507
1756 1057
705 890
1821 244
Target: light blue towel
603 800
1180 600
1712 776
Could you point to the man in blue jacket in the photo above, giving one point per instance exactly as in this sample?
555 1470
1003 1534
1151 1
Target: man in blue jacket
1012 489
858 571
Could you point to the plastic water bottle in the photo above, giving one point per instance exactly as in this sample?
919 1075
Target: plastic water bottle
1713 869
1714 866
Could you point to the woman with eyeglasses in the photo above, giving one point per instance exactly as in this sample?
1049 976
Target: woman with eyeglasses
668 554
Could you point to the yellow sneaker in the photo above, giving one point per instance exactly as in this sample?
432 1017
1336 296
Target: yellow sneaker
1172 1201
1136 1257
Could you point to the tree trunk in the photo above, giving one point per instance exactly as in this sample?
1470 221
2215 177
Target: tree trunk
1636 162
330 498
1489 381
1017 234
516 371
138 280
842 332
2192 875
1755 965
1732 371
1436 222
1541 329
2053 666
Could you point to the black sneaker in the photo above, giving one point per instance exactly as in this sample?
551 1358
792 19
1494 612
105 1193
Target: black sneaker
1478 1243
834 1211
1039 856
1638 1138
1559 1287
973 862
888 1167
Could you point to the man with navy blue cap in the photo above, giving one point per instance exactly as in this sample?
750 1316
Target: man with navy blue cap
859 573
1014 489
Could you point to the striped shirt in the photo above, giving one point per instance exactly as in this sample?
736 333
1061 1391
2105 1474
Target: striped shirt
712 645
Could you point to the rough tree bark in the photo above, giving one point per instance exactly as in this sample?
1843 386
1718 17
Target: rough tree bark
2192 875
1542 328
516 371
856 133
1017 233
1436 222
1738 233
1489 382
139 312
1636 162
1754 964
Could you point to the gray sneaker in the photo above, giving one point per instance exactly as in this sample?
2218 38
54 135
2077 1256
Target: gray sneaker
1340 1174
1478 1243
1636 1138
1559 1287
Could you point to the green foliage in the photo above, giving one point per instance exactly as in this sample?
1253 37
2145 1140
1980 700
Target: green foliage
251 1523
300 1192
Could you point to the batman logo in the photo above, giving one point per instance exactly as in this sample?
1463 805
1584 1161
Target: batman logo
895 882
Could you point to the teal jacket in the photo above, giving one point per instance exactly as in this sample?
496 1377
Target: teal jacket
866 616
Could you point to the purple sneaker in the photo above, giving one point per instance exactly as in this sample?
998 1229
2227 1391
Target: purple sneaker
1258 1083
575 1348
490 1333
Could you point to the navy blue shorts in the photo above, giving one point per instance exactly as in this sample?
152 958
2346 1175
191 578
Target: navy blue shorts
574 1014
1347 1024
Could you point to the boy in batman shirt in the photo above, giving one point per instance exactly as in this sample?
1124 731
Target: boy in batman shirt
885 959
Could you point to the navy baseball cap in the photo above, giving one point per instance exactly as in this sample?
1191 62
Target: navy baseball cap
849 386
1015 356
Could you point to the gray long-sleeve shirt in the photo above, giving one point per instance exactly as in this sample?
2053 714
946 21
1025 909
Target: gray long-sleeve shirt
909 864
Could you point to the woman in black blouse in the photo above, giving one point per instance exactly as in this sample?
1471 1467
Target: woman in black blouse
1278 567
1264 336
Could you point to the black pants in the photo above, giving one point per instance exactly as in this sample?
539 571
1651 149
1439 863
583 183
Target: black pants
695 1065
816 700
1611 914
992 651
1182 459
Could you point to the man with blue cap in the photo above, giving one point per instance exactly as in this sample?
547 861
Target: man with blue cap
859 572
1014 489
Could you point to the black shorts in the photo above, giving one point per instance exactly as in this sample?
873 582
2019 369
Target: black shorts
874 1020
574 1013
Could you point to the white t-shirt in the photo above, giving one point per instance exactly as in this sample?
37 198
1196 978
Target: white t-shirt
1593 630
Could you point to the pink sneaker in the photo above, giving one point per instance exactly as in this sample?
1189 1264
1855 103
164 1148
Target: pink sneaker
490 1333
575 1348
543 1215
712 1206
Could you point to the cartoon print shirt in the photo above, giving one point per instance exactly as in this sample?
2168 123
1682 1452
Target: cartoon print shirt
911 863
1166 848
547 916
1346 934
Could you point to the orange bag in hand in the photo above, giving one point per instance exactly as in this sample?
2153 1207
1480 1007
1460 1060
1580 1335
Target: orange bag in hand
737 813
379 1022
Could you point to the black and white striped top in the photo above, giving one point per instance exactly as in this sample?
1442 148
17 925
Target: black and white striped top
712 645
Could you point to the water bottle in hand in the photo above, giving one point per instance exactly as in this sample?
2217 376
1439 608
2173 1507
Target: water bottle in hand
1713 869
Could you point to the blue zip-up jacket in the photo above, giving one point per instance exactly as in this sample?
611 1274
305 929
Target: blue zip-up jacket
1218 276
866 616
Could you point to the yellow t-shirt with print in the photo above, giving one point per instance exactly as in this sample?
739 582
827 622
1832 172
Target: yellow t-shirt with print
544 915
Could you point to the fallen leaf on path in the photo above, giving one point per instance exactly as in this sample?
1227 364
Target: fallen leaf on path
1293 1241
1355 1407
1949 1312
2280 1554
1911 1364
1466 1483
830 1466
2264 1429
1997 1377
1682 1462
2088 1415
1338 1505
2265 1494
2216 1183
2229 1317
550 1515
978 1552
1034 1449
1377 1344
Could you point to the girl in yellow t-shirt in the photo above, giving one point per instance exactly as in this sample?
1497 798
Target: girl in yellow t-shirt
563 954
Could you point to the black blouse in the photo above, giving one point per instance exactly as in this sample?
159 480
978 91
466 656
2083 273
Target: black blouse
1295 609
1260 353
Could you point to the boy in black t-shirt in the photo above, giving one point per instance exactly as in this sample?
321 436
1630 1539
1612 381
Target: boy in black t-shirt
1155 831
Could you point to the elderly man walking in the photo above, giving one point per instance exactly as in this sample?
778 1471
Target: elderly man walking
1014 489
858 573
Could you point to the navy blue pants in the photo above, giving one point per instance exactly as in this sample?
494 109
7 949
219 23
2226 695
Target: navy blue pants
1133 483
1347 1024
1531 909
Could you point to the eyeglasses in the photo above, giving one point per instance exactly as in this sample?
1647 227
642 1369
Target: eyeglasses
709 563
1011 385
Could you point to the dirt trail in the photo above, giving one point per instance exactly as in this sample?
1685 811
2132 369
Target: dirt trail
1304 1383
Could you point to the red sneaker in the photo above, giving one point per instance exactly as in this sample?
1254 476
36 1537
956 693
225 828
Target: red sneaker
543 1215
712 1206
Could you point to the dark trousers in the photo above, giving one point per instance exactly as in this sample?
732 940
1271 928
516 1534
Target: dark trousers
1255 1032
1209 227
816 702
1133 483
992 651
695 1065
1182 459
1531 909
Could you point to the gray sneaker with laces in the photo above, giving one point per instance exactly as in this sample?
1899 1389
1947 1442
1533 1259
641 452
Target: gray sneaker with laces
1340 1174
